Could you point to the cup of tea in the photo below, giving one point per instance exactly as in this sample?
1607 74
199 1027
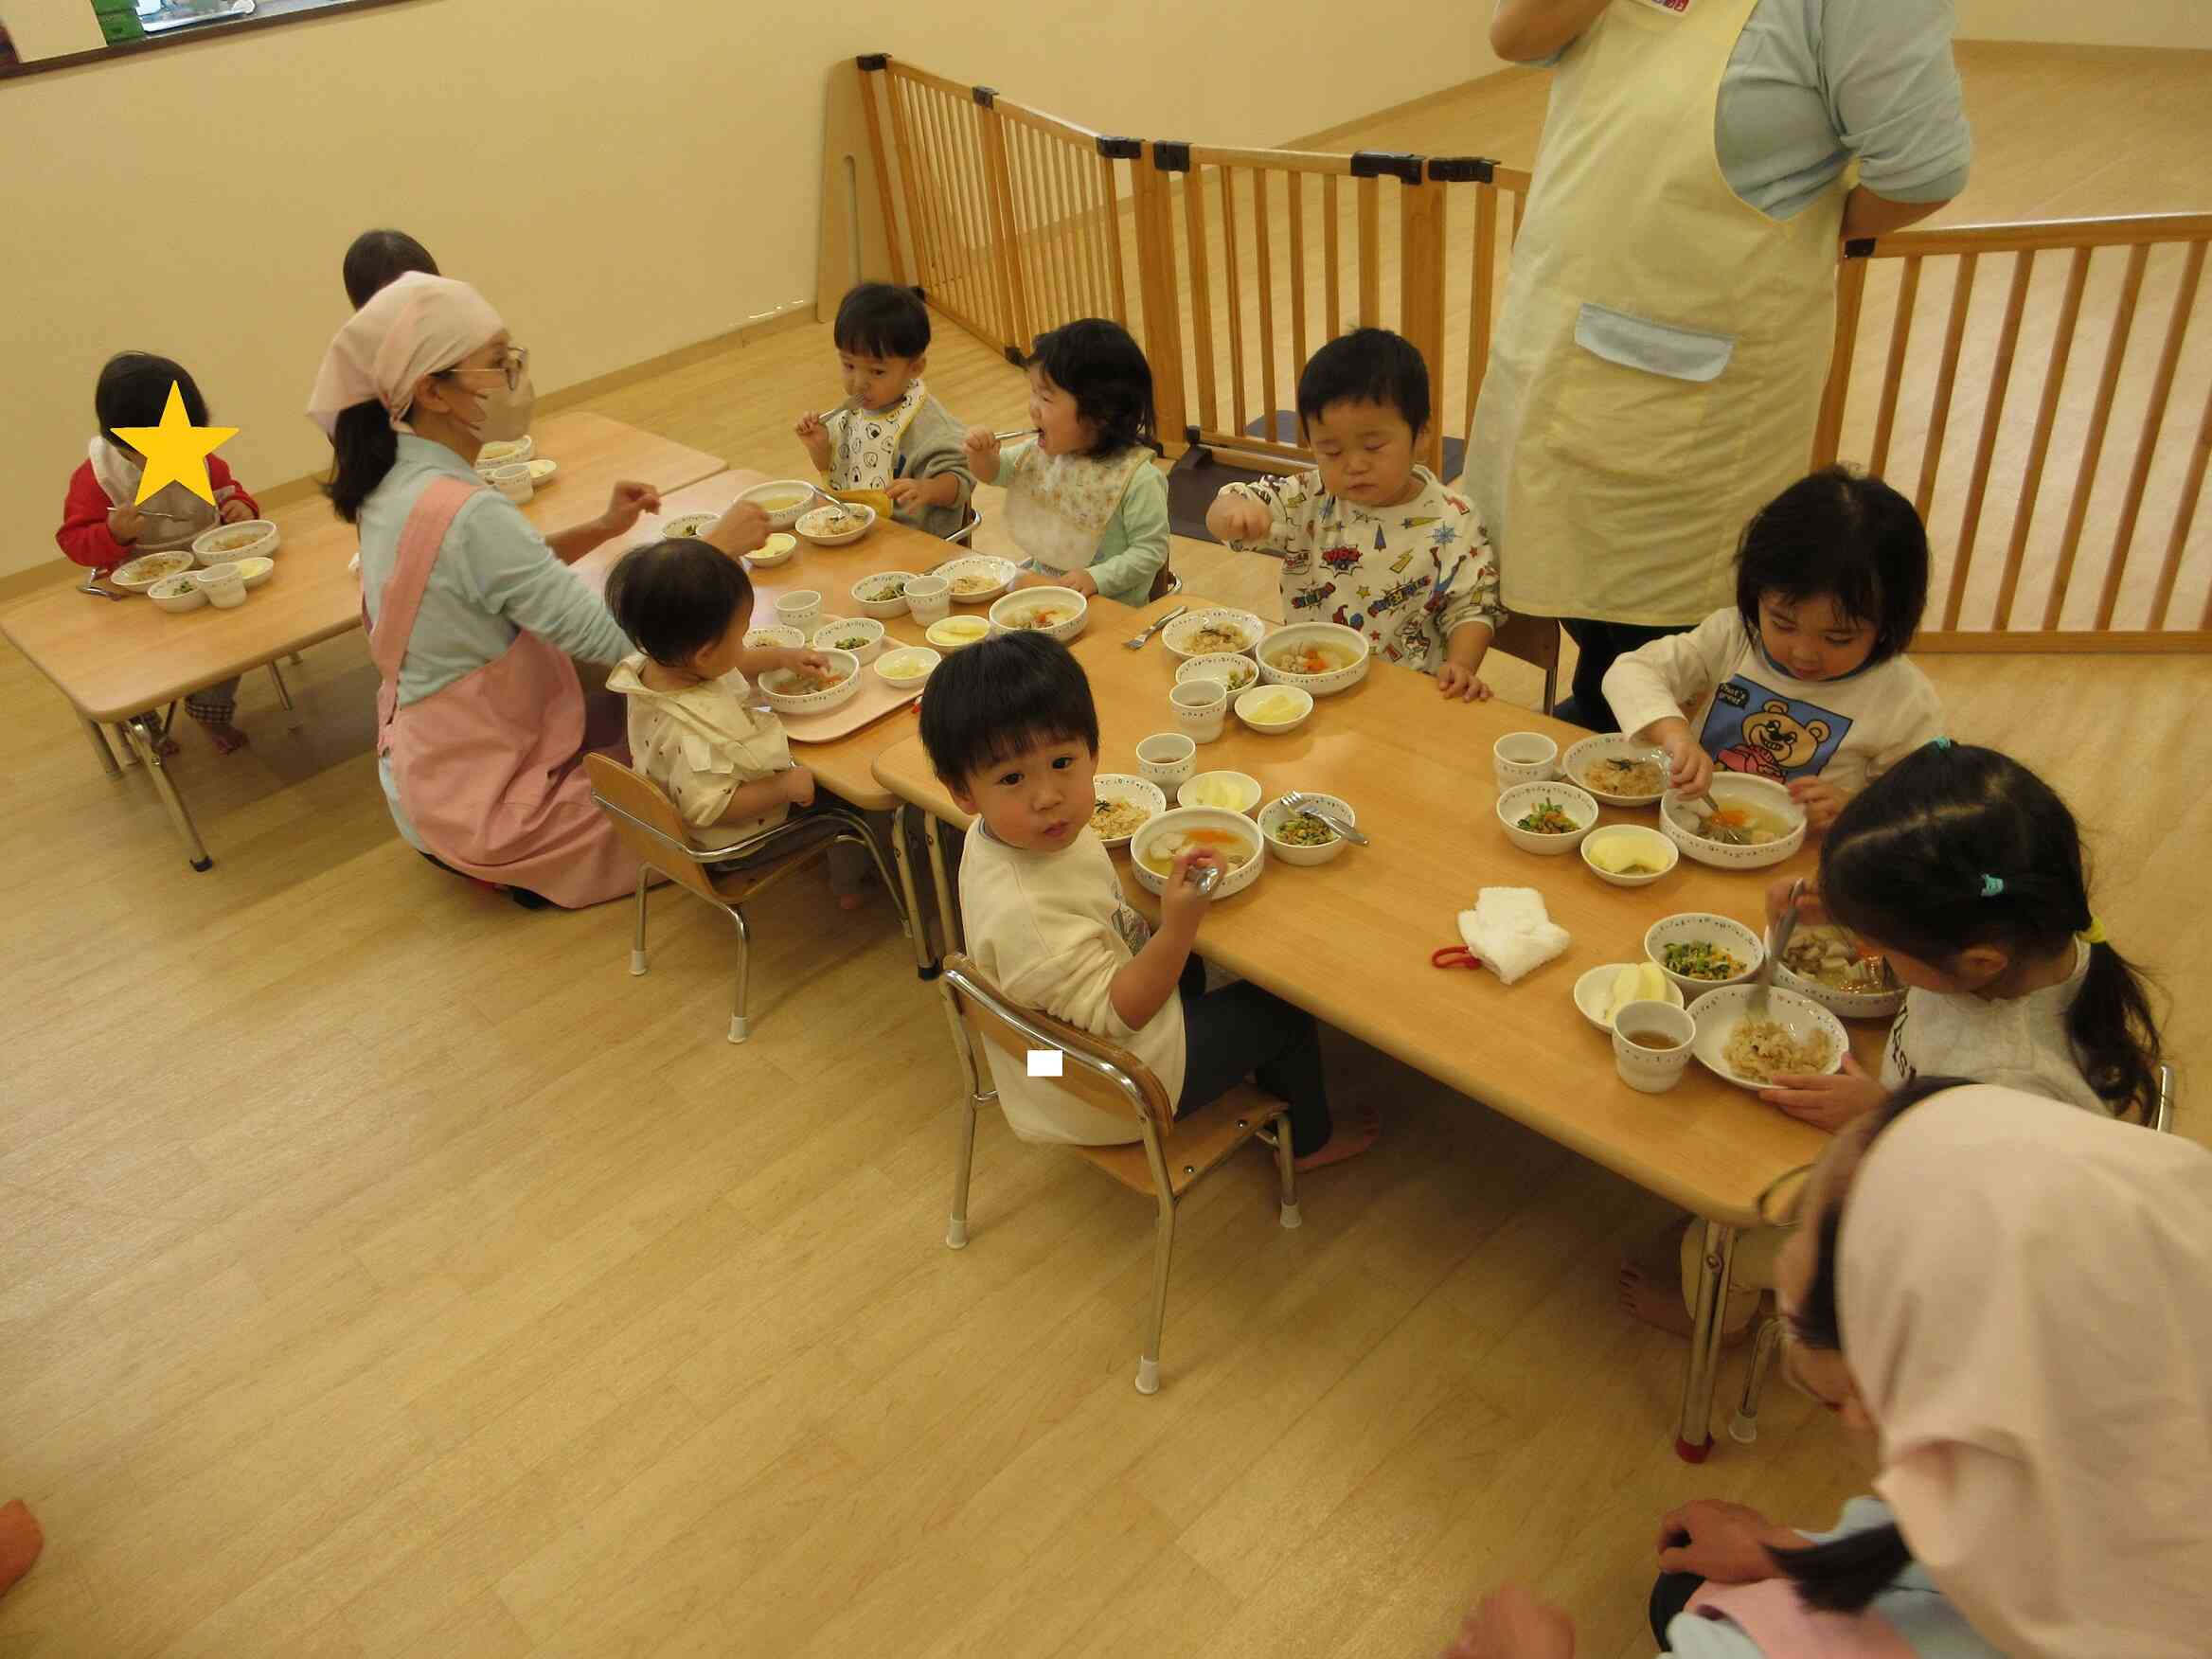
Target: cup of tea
929 599
513 481
223 584
801 611
1166 758
1201 708
1650 1045
1523 758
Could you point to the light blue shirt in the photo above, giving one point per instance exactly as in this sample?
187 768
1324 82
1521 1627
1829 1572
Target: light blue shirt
1814 83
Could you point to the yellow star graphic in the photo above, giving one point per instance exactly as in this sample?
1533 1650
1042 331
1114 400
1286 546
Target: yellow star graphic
176 451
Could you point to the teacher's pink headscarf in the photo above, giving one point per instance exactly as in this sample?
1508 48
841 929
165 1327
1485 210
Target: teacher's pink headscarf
2026 1292
415 326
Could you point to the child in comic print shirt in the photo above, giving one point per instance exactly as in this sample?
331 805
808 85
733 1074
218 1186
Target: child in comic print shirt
1371 540
1804 681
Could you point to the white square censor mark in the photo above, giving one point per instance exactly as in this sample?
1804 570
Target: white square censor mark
1045 1062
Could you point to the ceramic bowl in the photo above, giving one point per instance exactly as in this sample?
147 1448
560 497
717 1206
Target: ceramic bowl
1593 994
178 593
1275 814
790 638
1024 609
1200 789
782 500
776 550
1349 643
256 571
978 578
882 596
1679 822
1237 877
1250 705
1653 849
685 526
1701 927
247 539
1851 1005
1719 1012
1524 798
542 471
817 523
137 575
957 633
777 687
1121 787
860 635
1181 635
1237 672
1575 763
1523 758
1168 758
506 452
1652 1071
908 666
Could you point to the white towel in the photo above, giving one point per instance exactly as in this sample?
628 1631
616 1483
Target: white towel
1512 933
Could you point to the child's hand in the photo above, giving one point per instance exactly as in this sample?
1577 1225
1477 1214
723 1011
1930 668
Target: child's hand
904 492
1511 1623
798 785
815 436
125 523
1810 911
1237 518
1182 905
236 511
1458 679
625 502
1821 799
1827 1102
1690 768
1729 1544
743 527
1080 581
801 660
1029 579
981 444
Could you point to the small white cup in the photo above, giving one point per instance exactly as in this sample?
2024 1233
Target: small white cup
1201 708
1653 1071
1166 758
514 481
223 584
801 611
1525 757
929 599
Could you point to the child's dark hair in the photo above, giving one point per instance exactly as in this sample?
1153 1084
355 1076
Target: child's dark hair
377 256
1001 697
1841 536
133 390
1102 367
1956 847
1367 366
677 597
1846 1575
879 319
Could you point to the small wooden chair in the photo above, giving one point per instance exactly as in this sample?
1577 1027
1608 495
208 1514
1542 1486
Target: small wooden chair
650 824
1171 1159
1743 1427
1533 639
1164 582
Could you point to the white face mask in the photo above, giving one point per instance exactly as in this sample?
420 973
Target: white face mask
505 415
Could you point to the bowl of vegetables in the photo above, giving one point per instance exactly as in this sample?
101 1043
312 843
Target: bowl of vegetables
1698 951
882 596
860 635
1832 966
1300 838
1547 818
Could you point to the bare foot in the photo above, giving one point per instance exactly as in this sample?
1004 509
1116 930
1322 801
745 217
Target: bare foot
1652 1292
20 1541
227 740
164 744
1353 1136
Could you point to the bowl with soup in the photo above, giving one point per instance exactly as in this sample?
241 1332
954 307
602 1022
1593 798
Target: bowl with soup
1768 826
1316 658
1057 612
1834 967
812 690
1231 837
782 500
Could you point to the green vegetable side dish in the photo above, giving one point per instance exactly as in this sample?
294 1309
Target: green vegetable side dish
885 592
1549 818
1699 960
852 642
1305 830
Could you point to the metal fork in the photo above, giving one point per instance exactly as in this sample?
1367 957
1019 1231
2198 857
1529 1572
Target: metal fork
1299 801
1137 642
1777 940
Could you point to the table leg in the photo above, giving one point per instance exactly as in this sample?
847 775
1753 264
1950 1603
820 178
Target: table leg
948 912
1695 1438
99 747
923 965
149 752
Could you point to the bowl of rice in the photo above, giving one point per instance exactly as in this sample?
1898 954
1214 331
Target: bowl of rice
836 526
1617 770
1300 838
1784 1035
1217 631
978 578
227 543
135 576
1123 805
1699 951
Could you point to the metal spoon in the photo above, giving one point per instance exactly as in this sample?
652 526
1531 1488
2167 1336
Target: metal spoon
1777 940
1299 802
1017 432
1139 641
1726 835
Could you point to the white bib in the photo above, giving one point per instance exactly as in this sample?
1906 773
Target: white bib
172 514
865 455
1059 506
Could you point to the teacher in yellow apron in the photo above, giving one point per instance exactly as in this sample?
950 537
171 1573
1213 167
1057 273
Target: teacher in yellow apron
1656 370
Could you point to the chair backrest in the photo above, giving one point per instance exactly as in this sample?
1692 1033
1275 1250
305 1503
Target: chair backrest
1533 639
1165 580
1097 1072
966 533
2162 1115
648 823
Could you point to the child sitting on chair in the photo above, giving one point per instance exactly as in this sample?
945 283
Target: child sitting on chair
1369 540
1013 733
890 435
697 728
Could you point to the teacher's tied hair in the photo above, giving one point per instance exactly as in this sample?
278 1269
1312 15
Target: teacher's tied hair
1102 367
879 319
133 390
1001 697
1367 366
377 256
1841 536
1955 846
676 597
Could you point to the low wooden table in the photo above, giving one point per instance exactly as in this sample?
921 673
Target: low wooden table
1349 940
115 661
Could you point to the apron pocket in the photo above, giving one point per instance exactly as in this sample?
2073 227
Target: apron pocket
1684 354
1627 417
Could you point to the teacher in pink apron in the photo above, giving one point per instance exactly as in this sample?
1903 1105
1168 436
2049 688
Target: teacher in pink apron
472 615
1656 373
2007 1303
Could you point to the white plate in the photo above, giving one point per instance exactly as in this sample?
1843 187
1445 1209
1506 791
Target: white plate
1001 571
1594 986
1322 685
1733 789
141 573
1719 1012
1176 637
1234 881
1120 786
1613 745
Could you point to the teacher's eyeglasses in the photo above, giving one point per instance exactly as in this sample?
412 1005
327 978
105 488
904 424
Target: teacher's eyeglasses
511 365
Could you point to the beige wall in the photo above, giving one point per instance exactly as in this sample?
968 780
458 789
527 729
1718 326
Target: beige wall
2131 23
621 181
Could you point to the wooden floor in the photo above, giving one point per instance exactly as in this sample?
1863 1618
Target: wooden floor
383 1271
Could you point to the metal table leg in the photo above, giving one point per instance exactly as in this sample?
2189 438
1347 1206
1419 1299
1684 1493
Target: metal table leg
284 696
149 752
1695 1438
948 912
917 928
99 747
